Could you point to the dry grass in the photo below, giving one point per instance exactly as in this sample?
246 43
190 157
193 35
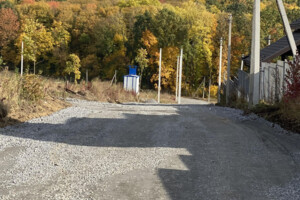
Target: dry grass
103 91
31 96
28 97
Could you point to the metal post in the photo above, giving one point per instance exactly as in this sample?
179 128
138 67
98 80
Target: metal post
178 60
22 55
242 62
255 56
159 75
287 27
180 77
269 40
229 57
220 71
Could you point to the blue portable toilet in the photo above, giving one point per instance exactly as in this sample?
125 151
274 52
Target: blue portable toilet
132 69
131 81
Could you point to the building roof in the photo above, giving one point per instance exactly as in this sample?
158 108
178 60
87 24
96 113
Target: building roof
276 49
295 25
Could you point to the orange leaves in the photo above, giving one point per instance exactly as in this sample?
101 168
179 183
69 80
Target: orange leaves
53 4
149 40
9 26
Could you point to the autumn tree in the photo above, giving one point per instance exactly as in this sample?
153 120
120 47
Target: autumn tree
9 26
142 60
37 41
73 66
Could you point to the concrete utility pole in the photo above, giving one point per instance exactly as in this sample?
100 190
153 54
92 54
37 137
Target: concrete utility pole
229 58
22 64
287 27
159 76
255 56
220 71
178 60
180 77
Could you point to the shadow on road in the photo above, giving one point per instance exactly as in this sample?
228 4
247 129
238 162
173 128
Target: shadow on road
228 160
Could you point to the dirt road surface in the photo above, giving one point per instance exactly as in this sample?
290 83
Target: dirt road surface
141 151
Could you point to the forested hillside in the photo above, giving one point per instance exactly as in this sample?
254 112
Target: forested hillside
63 38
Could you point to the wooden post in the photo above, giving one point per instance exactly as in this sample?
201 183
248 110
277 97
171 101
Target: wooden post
176 93
220 70
229 59
87 77
180 77
22 58
209 90
159 75
203 94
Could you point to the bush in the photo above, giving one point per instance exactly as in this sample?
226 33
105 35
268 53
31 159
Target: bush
292 80
32 88
3 110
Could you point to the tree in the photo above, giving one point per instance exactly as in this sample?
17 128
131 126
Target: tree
150 43
142 60
169 28
37 41
91 63
73 66
9 26
60 51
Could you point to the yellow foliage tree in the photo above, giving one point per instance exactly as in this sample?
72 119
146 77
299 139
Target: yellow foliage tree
73 66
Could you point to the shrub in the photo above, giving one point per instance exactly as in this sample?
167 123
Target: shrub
292 80
3 110
32 88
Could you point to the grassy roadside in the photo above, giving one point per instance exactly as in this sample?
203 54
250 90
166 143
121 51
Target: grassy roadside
32 96
285 114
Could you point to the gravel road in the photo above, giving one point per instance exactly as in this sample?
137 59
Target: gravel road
145 151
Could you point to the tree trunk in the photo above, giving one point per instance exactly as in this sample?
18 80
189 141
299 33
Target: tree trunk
33 67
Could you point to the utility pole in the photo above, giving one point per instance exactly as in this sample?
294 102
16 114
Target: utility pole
180 77
287 27
255 56
229 58
159 75
22 64
220 71
178 60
